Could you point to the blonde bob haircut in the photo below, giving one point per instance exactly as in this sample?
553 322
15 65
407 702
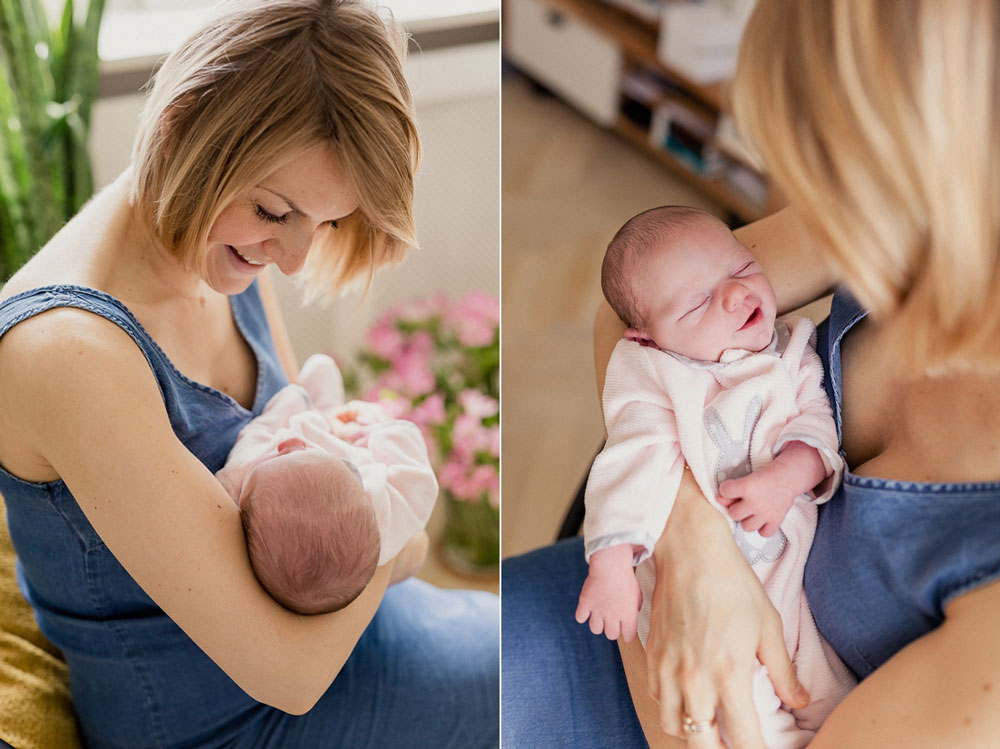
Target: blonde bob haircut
261 82
879 120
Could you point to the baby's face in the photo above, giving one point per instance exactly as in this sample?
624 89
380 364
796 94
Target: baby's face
703 293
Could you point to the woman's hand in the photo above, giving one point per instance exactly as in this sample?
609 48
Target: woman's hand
710 623
410 559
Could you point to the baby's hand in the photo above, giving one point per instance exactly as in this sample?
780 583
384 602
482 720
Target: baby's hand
757 502
611 597
760 501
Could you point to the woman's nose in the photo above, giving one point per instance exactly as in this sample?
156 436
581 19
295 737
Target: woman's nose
292 253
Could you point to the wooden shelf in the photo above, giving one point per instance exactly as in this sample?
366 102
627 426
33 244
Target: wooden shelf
713 187
638 42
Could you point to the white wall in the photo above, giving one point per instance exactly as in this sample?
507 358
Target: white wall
456 94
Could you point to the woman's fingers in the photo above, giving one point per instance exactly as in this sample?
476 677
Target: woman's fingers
739 715
698 724
773 654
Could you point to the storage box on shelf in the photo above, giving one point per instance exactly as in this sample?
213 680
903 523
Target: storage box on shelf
608 63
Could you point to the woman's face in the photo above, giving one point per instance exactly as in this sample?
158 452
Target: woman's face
277 220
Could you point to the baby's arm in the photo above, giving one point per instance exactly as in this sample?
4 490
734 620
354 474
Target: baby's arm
629 492
760 501
611 597
807 459
400 483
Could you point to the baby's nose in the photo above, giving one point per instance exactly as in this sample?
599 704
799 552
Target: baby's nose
733 295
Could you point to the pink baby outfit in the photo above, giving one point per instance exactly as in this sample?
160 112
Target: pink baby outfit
724 419
389 455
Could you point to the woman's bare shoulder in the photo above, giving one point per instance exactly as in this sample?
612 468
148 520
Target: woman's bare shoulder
940 690
56 361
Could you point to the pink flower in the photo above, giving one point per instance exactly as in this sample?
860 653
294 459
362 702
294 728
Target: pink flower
453 477
385 341
474 318
495 440
430 410
474 333
477 404
484 478
412 367
469 436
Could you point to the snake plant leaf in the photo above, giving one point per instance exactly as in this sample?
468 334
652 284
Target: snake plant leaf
46 96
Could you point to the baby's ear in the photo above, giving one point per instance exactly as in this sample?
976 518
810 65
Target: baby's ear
638 336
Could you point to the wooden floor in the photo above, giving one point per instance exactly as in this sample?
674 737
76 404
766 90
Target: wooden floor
567 187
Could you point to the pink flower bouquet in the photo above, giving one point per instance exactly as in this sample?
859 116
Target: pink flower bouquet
437 364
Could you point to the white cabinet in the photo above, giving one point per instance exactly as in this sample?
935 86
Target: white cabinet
566 54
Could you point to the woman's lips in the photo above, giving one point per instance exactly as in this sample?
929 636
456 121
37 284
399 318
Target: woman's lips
243 263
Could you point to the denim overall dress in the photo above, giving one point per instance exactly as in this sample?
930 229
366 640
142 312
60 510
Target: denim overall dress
888 556
138 681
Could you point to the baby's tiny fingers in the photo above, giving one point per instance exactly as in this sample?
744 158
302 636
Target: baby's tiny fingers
582 612
740 510
612 629
596 623
752 523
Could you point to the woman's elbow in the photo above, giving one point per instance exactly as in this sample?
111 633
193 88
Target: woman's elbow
296 694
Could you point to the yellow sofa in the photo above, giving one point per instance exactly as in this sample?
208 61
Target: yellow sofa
36 711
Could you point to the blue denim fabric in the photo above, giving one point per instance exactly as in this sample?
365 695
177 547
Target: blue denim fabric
562 685
424 673
889 555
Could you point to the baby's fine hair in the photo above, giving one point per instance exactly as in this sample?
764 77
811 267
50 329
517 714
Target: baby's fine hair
626 251
312 538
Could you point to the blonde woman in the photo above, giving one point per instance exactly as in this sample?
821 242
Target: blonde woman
138 342
879 120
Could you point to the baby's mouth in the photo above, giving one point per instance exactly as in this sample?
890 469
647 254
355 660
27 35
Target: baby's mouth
753 319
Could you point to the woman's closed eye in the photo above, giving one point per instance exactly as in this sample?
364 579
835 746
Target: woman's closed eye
271 218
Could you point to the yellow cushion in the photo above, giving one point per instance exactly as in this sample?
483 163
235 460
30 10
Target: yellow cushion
35 707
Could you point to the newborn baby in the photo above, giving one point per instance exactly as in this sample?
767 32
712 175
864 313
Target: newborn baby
327 490
707 379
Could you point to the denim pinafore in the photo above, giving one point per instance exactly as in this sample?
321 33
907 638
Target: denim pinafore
125 656
888 556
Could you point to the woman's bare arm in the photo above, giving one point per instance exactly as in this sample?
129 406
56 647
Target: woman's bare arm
87 403
940 690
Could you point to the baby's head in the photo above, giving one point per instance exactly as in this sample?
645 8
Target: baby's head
311 531
681 282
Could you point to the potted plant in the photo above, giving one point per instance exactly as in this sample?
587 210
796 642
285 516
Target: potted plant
46 96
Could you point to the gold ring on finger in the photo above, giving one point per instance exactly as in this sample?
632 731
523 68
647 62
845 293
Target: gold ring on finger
692 726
